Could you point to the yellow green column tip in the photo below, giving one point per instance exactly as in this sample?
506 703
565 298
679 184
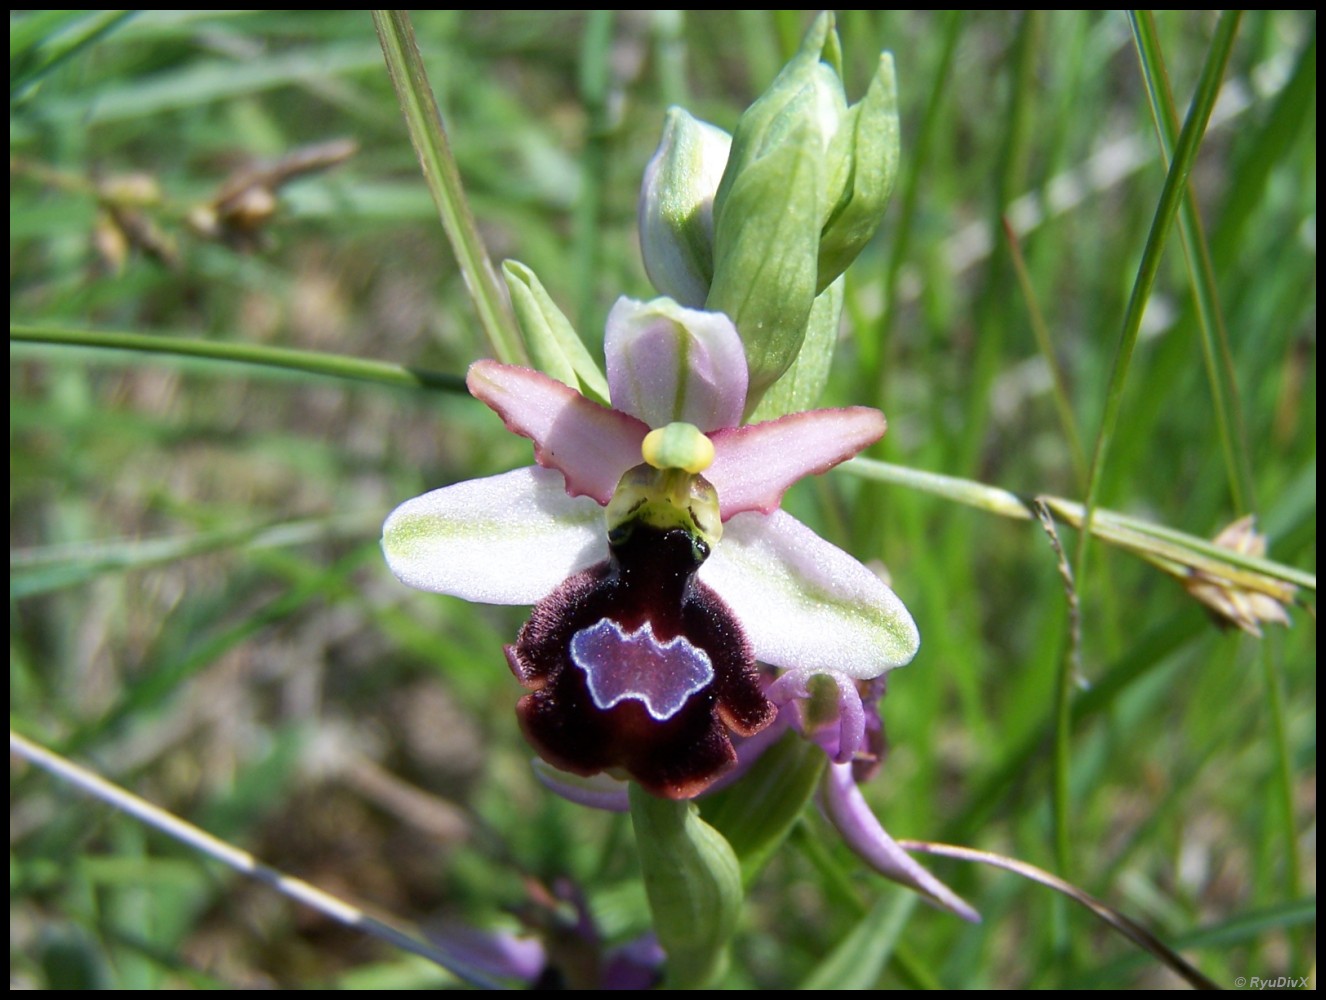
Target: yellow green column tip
678 446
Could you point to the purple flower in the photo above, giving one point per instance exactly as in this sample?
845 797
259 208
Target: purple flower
656 589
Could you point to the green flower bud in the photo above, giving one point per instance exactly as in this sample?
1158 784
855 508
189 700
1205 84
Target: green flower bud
677 207
805 187
803 383
766 255
805 104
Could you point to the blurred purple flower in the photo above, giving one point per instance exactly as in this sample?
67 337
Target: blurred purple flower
560 948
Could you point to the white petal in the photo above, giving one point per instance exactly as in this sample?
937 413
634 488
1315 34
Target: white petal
508 539
807 604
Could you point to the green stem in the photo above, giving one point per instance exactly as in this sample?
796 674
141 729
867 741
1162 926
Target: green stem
313 362
595 91
1201 273
1142 537
1176 180
873 344
668 28
1273 678
74 37
1171 196
1059 379
429 138
693 882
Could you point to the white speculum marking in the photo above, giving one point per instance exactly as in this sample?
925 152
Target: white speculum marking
621 665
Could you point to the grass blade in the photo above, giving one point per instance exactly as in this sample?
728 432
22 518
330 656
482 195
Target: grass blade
1129 928
234 858
429 138
1206 302
314 362
1176 182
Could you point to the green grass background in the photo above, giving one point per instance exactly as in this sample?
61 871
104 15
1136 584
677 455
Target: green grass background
199 609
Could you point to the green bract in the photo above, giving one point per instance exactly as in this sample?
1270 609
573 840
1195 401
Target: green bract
556 347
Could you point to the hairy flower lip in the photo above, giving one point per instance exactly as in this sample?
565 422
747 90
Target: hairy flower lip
840 798
635 664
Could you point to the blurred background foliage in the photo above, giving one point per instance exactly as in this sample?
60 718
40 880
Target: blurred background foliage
200 611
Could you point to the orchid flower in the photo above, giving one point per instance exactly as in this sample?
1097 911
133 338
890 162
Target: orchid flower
641 652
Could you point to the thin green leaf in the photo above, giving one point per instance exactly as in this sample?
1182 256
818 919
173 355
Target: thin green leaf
1228 411
857 962
557 348
1171 196
41 571
241 861
1219 362
596 86
1062 403
429 138
207 82
1126 926
314 362
1134 534
40 41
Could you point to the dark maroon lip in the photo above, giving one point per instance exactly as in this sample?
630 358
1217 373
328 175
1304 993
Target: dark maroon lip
635 664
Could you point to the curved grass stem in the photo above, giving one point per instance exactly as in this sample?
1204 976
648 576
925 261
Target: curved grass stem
1156 542
234 858
313 362
405 65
